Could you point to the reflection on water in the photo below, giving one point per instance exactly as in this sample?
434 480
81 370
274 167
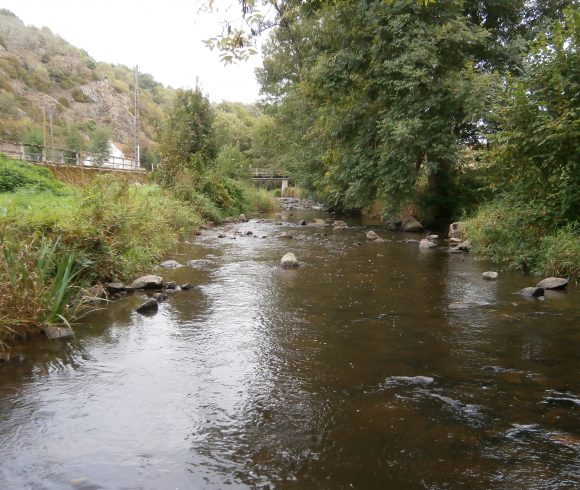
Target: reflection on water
370 366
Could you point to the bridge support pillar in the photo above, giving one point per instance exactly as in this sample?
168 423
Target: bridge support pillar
284 187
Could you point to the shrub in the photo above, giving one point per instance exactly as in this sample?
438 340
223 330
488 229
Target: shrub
16 175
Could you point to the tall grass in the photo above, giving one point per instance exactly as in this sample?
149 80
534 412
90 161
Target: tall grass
522 236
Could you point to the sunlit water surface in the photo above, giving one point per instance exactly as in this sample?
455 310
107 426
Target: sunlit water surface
373 365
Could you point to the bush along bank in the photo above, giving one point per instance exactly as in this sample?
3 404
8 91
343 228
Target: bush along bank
56 240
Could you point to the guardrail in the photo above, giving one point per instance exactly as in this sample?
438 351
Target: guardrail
271 174
61 156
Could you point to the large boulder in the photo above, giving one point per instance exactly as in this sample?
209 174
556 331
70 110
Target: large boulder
553 283
456 230
410 224
289 261
148 282
371 235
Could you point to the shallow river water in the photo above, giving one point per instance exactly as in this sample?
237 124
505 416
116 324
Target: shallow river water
373 365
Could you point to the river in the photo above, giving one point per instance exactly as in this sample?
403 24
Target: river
372 365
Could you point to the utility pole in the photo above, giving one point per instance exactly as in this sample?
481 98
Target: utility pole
44 134
137 120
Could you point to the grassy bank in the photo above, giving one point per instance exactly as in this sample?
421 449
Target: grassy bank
523 237
56 239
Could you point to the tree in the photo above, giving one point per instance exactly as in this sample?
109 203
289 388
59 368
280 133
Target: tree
99 146
187 139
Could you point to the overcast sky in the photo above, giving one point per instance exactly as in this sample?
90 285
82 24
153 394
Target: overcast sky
164 37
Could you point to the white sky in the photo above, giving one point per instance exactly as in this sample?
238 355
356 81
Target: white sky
164 37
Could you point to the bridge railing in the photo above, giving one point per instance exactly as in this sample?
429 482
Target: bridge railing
61 156
267 173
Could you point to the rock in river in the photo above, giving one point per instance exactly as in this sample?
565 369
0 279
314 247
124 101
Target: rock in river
148 282
427 244
171 264
553 283
411 224
289 261
150 306
371 235
533 292
490 275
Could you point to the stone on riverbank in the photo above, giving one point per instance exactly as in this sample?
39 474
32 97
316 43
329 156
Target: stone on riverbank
456 230
289 261
533 292
148 282
490 275
410 224
57 331
553 283
150 306
243 218
115 287
464 246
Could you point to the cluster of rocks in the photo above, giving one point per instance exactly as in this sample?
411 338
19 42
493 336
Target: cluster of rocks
296 203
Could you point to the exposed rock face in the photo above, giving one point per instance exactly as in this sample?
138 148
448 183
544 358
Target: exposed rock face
456 230
171 264
427 244
148 282
371 235
289 261
490 275
553 283
410 224
532 291
150 306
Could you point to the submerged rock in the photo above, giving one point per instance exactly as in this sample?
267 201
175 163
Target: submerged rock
490 275
286 236
150 306
534 292
289 261
408 380
553 283
148 282
186 286
427 244
171 264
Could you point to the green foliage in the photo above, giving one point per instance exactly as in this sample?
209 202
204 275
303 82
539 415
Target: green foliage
536 151
187 137
518 236
232 163
20 176
99 145
79 96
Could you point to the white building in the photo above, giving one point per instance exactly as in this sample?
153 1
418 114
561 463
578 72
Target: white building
116 159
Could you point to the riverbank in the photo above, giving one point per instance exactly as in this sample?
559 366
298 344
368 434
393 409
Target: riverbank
57 239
